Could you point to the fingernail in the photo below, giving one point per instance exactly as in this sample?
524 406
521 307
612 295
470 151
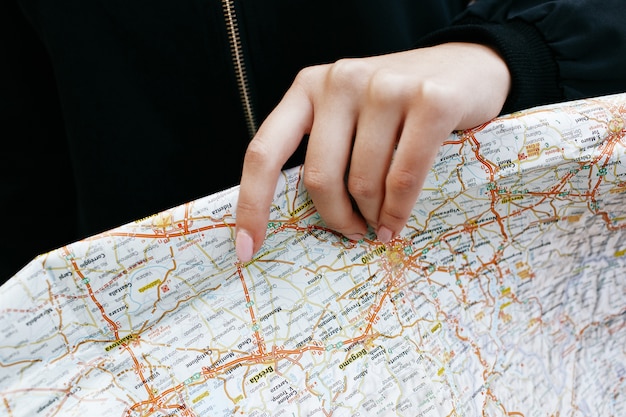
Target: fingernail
243 246
384 234
355 236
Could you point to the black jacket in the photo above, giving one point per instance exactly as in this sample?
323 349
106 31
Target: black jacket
156 114
555 49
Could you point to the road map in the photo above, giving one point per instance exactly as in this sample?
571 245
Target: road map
504 295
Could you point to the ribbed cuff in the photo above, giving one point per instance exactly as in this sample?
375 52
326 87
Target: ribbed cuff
534 70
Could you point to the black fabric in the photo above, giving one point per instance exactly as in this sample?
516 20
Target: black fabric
283 36
149 99
556 50
36 183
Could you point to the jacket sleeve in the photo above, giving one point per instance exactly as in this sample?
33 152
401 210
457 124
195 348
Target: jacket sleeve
555 49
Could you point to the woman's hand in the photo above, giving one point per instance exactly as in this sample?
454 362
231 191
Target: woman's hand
375 125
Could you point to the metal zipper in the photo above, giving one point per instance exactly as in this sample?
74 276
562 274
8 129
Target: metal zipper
236 52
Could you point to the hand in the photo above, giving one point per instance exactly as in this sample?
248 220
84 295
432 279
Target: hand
375 126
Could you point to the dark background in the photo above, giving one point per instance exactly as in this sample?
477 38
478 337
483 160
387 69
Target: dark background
34 151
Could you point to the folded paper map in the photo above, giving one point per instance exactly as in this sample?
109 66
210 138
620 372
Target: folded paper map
505 295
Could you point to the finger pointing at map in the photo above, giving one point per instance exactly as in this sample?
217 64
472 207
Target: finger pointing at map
375 126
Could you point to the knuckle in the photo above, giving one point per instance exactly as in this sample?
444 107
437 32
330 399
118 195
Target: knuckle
387 87
402 182
315 180
434 99
308 78
344 72
305 75
257 152
361 188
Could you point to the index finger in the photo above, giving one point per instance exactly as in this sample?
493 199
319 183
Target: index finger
276 140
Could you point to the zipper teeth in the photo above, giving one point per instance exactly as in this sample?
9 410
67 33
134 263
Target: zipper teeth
240 68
